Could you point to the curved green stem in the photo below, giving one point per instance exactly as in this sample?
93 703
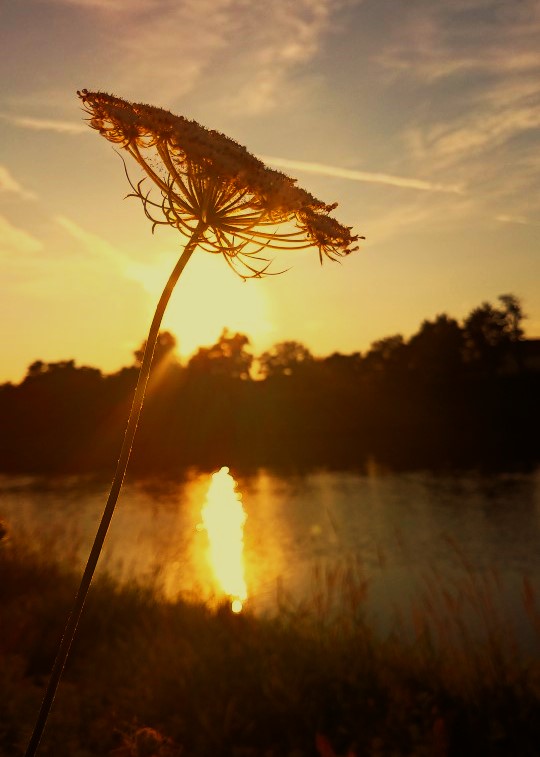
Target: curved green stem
138 399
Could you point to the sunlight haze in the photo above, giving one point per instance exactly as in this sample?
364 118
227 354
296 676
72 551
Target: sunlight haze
420 119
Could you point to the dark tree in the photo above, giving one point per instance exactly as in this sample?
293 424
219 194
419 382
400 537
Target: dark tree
386 356
491 333
436 351
284 359
165 347
227 358
452 394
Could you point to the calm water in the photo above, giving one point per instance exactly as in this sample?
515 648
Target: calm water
407 534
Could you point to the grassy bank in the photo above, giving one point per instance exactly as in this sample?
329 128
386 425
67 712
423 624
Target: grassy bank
149 678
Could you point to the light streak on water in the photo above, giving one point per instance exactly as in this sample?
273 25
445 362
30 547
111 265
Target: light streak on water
223 518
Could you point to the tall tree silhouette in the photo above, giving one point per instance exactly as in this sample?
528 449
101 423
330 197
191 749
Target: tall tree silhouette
491 333
436 351
165 346
227 358
284 359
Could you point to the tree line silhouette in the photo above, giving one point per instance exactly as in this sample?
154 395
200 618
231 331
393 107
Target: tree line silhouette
454 394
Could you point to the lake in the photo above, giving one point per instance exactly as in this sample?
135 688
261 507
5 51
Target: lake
464 542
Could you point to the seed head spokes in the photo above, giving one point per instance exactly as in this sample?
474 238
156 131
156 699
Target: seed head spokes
209 182
233 223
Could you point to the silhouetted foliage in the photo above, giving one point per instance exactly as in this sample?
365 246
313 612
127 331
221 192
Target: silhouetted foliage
165 346
452 394
228 358
284 359
491 332
436 351
387 356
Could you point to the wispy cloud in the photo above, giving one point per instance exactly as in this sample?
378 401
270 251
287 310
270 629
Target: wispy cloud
480 60
15 241
480 132
102 253
46 124
366 176
521 220
283 37
108 6
437 40
100 249
9 184
164 49
407 219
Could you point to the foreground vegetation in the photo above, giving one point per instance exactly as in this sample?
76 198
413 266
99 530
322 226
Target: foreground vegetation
150 678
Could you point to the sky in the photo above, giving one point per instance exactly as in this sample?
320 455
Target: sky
421 118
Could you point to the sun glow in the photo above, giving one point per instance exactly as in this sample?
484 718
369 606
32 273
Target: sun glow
223 518
208 299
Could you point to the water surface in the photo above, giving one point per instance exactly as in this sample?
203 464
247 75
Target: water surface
406 535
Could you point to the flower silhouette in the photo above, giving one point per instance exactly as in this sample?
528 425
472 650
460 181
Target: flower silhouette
209 182
225 201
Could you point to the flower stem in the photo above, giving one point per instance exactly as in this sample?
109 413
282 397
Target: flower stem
131 428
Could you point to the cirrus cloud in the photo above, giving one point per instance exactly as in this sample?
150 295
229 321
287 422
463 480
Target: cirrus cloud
9 184
365 176
164 49
46 124
16 241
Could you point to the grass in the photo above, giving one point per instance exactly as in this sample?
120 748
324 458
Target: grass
151 678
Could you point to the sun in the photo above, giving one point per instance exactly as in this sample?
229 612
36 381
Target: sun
208 299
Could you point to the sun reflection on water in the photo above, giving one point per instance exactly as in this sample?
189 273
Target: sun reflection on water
223 519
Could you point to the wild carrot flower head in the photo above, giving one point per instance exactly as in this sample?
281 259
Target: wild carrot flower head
210 182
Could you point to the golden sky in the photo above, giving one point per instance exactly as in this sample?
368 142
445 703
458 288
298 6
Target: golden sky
421 119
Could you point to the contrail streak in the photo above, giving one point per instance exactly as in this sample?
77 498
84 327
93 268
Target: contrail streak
353 175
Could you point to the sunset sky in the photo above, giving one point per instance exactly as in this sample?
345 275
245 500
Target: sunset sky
420 118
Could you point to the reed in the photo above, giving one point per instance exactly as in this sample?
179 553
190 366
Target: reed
313 678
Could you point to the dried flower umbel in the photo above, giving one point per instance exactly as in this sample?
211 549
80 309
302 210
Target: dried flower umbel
208 182
225 201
